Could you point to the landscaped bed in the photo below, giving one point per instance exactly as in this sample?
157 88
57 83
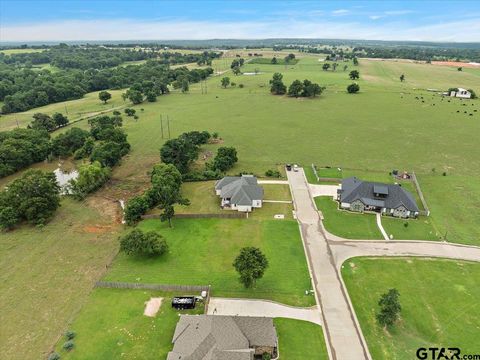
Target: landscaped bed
201 252
439 300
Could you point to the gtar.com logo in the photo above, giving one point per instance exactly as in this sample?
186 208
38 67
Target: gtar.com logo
435 353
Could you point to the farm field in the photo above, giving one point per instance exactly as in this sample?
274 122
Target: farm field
427 319
297 338
112 325
20 51
47 273
201 252
384 127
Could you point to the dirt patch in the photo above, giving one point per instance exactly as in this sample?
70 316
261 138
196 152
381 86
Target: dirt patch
456 64
152 306
97 229
109 208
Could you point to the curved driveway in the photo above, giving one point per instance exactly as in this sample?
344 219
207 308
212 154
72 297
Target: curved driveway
262 308
326 254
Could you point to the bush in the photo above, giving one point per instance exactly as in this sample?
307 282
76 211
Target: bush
139 243
273 173
135 208
353 88
225 159
53 356
69 335
68 345
241 86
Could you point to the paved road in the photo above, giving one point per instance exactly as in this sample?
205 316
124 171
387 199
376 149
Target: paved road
250 307
344 338
326 253
348 249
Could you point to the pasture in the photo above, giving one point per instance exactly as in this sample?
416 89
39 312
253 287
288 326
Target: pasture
439 300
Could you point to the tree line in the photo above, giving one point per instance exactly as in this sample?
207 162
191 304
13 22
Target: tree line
71 57
24 89
297 88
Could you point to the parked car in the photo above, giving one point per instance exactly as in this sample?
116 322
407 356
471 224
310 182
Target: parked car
184 302
295 167
288 167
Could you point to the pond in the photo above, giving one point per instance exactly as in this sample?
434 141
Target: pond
63 179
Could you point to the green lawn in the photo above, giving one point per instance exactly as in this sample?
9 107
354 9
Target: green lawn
276 192
439 300
297 339
346 224
416 229
268 61
46 275
201 252
112 326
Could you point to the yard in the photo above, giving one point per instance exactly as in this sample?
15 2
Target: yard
439 300
112 326
297 338
346 224
201 252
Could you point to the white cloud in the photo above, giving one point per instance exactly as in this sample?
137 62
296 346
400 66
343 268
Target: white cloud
375 17
172 29
340 12
398 12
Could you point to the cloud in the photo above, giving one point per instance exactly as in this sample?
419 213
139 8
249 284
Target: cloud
176 29
340 12
376 17
398 12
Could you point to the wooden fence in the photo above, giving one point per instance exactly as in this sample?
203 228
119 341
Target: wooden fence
426 211
232 215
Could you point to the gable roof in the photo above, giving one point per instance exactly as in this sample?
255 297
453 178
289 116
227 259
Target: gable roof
214 337
241 190
395 196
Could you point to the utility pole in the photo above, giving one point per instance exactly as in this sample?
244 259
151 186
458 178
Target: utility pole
161 124
66 111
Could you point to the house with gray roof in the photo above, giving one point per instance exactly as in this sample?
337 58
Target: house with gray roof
216 337
388 199
240 193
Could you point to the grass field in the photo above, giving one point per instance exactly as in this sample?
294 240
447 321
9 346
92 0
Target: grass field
297 338
20 51
268 61
112 326
47 273
74 109
439 300
201 252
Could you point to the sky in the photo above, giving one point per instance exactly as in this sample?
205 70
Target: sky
452 21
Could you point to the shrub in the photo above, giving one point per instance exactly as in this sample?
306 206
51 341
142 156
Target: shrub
273 173
241 86
139 243
53 356
68 345
405 224
353 88
69 335
135 208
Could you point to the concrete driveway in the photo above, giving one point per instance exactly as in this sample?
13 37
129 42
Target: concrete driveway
262 308
324 190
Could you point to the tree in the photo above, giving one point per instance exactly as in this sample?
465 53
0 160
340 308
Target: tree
311 89
134 96
8 217
60 120
289 58
345 67
108 153
151 97
251 264
142 243
104 96
43 122
274 60
33 197
402 78
277 87
334 66
355 61
225 159
197 137
70 141
90 178
134 209
389 308
225 82
185 86
236 70
326 66
460 69
130 111
473 94
295 89
180 152
354 74
353 88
